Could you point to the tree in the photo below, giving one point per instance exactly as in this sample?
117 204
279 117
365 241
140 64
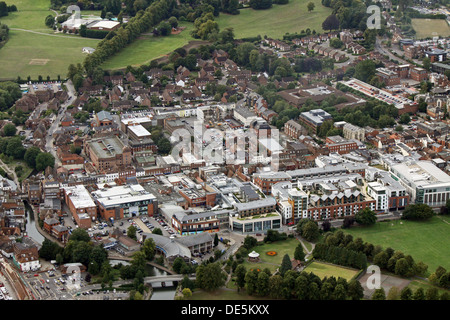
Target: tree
260 4
9 130
262 286
240 273
131 232
432 294
419 294
30 156
330 23
173 22
49 250
299 254
426 63
211 278
157 231
311 6
406 294
366 217
286 265
310 231
418 211
326 226
355 291
216 240
405 118
379 294
149 248
187 293
365 70
44 160
79 235
393 294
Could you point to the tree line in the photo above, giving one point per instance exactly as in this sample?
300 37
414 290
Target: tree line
127 33
5 9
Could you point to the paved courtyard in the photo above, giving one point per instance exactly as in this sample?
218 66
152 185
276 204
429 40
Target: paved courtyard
386 282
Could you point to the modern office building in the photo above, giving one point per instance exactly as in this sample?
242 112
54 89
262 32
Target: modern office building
125 201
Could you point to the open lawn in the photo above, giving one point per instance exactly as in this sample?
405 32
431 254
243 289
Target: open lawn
425 241
272 262
428 28
276 21
147 48
323 270
27 54
36 50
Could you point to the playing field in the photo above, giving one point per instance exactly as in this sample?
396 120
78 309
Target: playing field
148 48
323 270
428 28
34 49
276 21
425 241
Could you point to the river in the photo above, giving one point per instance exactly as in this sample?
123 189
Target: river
167 293
30 226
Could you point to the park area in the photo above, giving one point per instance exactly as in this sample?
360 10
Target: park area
425 241
428 28
147 48
33 49
271 254
323 270
276 21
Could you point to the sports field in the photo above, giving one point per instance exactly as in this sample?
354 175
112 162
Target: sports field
276 21
34 49
425 241
147 48
428 28
323 270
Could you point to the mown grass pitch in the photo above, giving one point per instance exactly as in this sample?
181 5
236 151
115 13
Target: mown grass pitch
426 241
276 21
428 28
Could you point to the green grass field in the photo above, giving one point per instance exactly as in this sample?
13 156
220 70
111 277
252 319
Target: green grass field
148 48
425 241
31 54
276 21
272 262
323 270
428 28
54 53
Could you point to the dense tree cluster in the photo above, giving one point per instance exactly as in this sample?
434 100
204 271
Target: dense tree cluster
308 229
296 285
5 9
4 34
260 4
9 94
419 211
441 278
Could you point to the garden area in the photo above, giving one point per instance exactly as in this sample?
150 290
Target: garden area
271 254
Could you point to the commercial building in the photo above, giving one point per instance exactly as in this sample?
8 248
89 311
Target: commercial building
294 129
425 182
314 119
108 152
124 201
351 131
81 205
340 145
